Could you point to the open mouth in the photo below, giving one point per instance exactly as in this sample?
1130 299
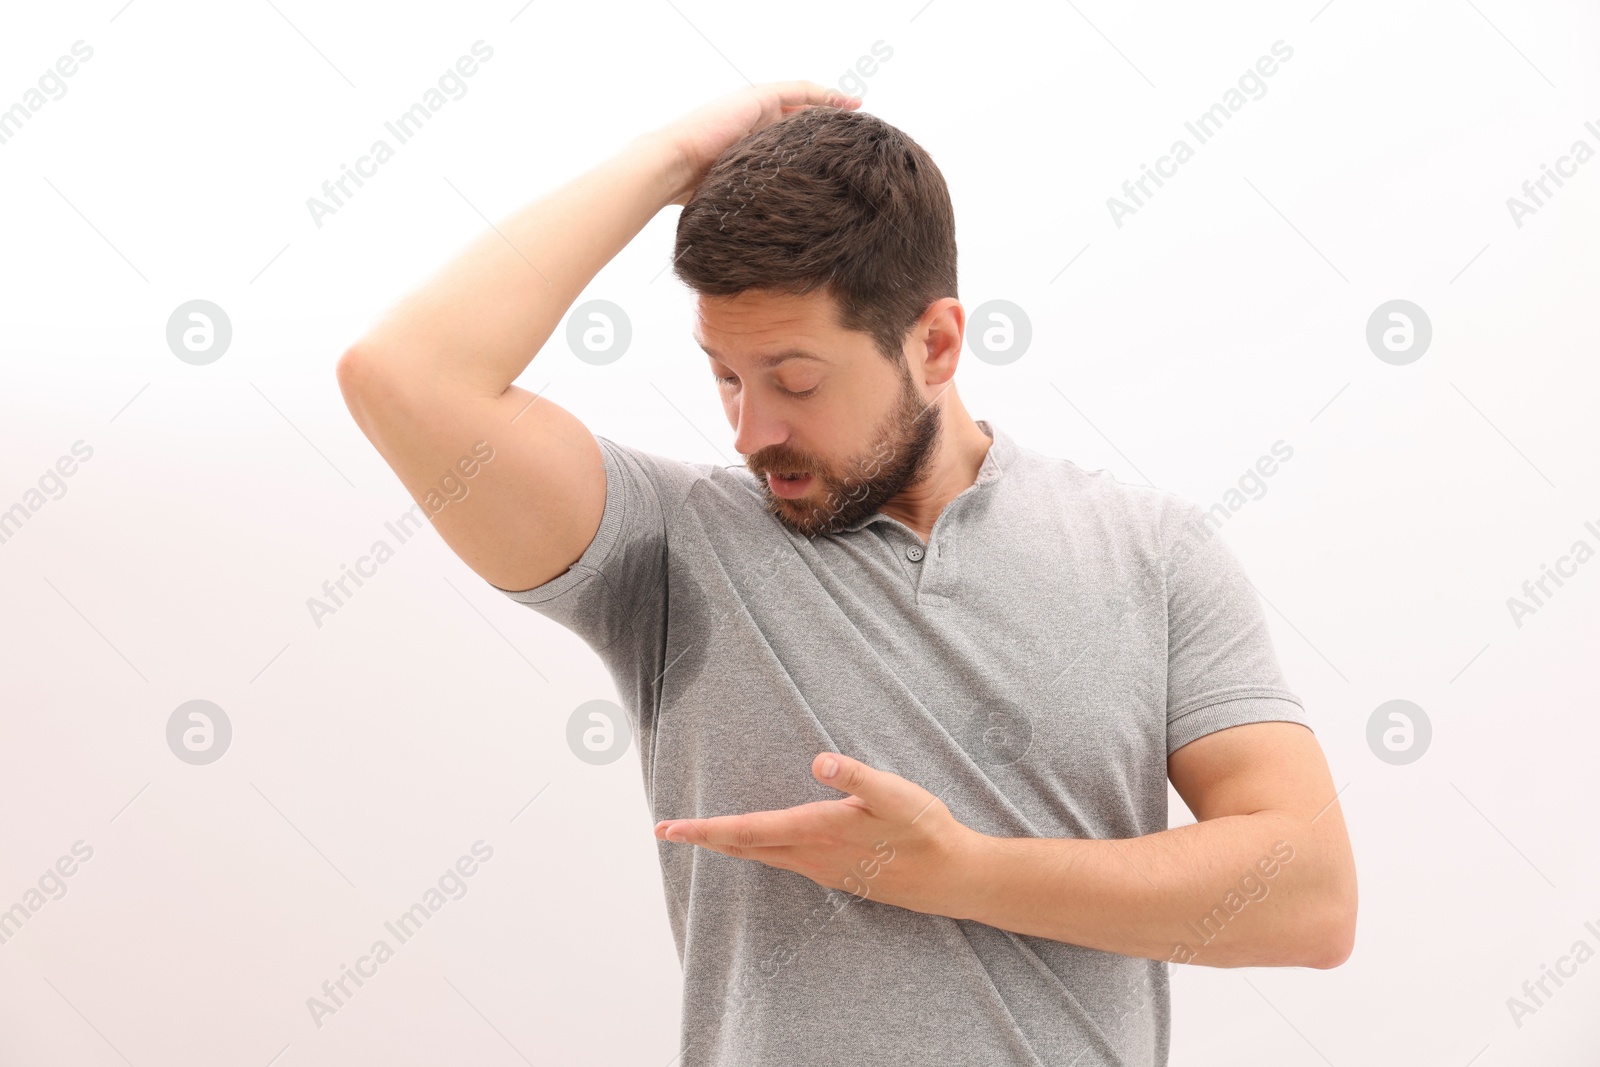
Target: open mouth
788 485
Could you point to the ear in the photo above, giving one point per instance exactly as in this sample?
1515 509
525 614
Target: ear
939 332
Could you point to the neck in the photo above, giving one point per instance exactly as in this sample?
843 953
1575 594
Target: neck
952 467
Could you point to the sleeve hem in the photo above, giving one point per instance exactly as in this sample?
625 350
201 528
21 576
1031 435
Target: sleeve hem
1253 704
594 556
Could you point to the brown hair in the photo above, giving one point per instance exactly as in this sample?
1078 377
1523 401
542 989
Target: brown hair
831 199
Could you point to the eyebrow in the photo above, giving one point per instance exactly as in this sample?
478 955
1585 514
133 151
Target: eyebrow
770 361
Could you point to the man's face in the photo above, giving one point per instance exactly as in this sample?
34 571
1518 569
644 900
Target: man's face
804 395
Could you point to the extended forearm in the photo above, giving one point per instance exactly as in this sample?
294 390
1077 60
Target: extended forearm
477 323
1242 890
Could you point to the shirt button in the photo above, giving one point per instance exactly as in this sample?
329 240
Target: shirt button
914 553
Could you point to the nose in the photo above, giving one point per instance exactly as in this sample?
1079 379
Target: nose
754 427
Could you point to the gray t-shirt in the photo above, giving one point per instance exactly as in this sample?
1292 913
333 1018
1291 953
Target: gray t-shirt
1032 665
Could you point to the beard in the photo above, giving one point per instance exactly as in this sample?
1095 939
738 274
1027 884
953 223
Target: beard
901 449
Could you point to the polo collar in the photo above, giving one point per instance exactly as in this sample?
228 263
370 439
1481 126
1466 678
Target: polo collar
995 462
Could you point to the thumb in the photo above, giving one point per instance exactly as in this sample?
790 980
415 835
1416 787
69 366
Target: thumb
852 776
884 794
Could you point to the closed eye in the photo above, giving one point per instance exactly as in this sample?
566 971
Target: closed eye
730 380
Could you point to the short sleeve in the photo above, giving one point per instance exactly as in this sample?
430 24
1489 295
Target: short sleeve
622 574
1222 668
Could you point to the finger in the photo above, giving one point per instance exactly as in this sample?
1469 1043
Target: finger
838 100
757 829
800 93
847 774
779 856
738 833
848 104
730 840
883 791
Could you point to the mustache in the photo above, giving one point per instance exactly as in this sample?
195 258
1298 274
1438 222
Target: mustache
760 467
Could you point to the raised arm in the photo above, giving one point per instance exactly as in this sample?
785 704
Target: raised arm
433 377
431 383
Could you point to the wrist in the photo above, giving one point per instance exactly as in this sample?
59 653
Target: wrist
968 865
665 155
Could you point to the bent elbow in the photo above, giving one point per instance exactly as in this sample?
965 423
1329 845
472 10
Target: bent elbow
1338 936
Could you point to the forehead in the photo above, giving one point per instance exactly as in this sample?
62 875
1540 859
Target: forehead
772 324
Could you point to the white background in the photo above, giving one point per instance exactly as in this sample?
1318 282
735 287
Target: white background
372 751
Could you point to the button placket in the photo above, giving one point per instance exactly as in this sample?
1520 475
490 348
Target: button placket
931 567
